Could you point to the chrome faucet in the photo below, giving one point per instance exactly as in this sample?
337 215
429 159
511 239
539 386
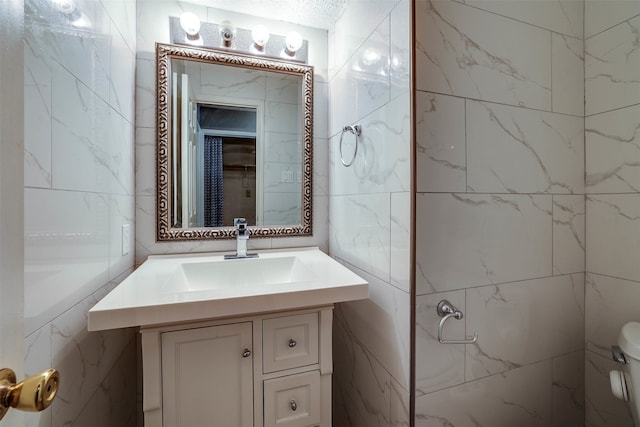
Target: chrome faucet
242 231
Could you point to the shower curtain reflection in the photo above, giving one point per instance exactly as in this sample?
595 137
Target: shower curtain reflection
213 182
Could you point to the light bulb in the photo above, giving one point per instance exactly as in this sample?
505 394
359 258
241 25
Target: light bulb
293 42
190 23
260 35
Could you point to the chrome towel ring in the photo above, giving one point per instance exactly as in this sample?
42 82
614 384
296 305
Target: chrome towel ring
356 130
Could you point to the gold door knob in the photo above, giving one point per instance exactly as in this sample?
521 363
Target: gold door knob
33 394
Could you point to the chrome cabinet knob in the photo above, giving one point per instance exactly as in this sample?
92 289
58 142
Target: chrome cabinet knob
292 343
294 405
246 352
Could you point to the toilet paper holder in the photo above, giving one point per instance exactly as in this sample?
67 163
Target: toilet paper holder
446 310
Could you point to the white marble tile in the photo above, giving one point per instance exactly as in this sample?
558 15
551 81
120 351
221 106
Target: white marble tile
610 304
568 234
520 397
400 271
466 240
145 93
567 74
524 322
320 109
612 59
383 156
272 178
339 412
85 54
281 208
145 161
381 324
612 144
283 118
357 22
122 75
518 150
400 402
613 223
37 353
282 147
561 16
438 366
362 85
320 224
283 88
369 68
463 51
359 231
122 386
342 98
320 167
603 14
121 212
95 413
400 55
119 157
66 251
75 356
79 135
123 18
222 80
362 381
567 392
602 408
441 152
37 117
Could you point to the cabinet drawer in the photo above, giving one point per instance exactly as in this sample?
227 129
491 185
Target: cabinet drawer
292 401
290 342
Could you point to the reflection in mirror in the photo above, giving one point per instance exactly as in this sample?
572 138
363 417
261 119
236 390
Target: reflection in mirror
234 140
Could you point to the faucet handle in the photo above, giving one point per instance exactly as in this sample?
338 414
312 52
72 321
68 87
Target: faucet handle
241 225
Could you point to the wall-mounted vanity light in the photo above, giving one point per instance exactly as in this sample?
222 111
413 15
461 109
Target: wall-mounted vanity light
258 41
190 23
260 37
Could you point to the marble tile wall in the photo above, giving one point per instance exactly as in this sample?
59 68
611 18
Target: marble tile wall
79 191
369 210
500 211
150 29
612 99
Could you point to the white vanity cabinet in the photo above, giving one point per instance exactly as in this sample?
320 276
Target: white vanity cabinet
266 370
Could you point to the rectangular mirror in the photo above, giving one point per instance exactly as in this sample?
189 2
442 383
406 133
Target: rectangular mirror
234 140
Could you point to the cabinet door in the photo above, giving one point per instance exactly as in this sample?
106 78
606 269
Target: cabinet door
207 377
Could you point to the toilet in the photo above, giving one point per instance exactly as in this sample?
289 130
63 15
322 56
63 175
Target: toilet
625 383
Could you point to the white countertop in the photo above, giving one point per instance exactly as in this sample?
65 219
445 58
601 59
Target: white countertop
153 294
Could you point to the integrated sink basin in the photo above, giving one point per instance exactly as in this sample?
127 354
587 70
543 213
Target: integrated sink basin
250 272
179 288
